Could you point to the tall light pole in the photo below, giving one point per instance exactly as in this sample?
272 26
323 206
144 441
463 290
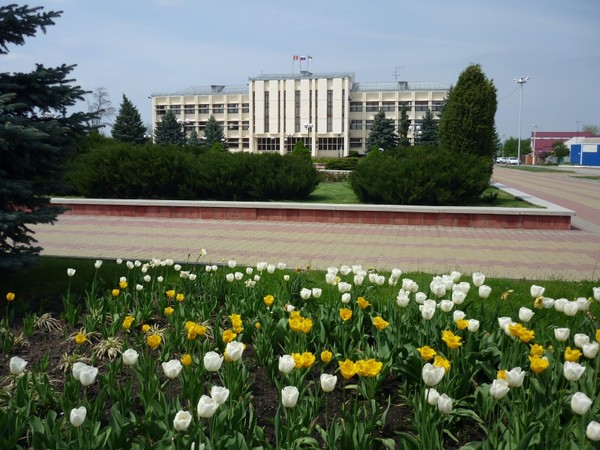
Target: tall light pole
521 81
577 142
534 126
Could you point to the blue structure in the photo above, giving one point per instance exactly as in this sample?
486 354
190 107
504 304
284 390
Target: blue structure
590 155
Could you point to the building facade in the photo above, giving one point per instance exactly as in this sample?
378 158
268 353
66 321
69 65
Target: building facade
329 112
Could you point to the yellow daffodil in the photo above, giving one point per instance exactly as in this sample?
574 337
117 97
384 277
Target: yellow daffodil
153 341
572 355
127 322
186 360
427 353
180 297
228 336
171 294
326 356
10 296
115 292
362 303
538 364
169 310
122 284
257 325
347 369
345 314
236 323
379 323
80 338
268 300
452 341
440 361
501 375
145 328
536 350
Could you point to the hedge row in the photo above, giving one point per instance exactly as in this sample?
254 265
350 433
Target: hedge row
116 170
421 176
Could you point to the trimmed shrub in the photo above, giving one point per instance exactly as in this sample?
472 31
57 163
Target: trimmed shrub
341 164
420 176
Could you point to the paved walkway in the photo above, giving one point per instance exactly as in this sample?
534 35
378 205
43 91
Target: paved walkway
532 254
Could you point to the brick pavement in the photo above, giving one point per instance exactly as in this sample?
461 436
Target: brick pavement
531 254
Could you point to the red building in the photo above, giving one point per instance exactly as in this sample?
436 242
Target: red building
541 143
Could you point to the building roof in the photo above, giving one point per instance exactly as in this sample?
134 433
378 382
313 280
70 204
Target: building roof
545 139
208 90
394 86
301 75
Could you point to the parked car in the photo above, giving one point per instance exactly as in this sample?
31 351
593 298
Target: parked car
513 160
501 160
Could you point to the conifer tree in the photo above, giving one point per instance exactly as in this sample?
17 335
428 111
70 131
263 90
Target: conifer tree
403 124
213 133
128 126
37 136
429 130
169 131
383 133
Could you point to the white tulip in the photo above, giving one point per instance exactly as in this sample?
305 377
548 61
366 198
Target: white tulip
593 430
262 266
536 291
330 278
286 277
147 278
206 407
499 389
458 297
571 309
281 265
77 416
77 368
289 396
432 375
525 314
229 277
305 293
572 370
515 377
231 264
395 274
130 357
504 323
332 270
444 404
437 288
458 315
559 304
583 303
590 350
286 364
234 350
238 276
359 280
448 282
484 291
213 361
478 278
548 302
420 297
473 325
172 368
271 269
455 276
463 286
402 299
316 292
17 365
87 375
328 382
446 305
427 310
182 420
581 339
98 263
344 287
346 297
432 396
249 270
219 394
70 272
596 293
562 334
580 403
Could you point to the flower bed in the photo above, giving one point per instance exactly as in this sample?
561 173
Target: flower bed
264 357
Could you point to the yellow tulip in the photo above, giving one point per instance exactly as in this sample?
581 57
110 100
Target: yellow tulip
186 360
347 369
153 341
228 336
127 322
439 361
427 353
362 303
10 296
345 314
572 355
268 300
538 364
169 310
326 356
452 341
180 297
536 350
80 338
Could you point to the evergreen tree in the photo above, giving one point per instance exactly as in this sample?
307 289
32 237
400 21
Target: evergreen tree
37 136
467 122
213 133
403 124
193 138
128 126
169 131
429 130
383 133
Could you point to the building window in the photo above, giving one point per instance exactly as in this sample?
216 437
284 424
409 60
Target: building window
356 124
421 105
218 109
356 143
330 144
245 125
389 106
436 106
176 109
233 126
297 111
329 110
245 107
372 107
356 106
203 109
160 110
266 112
189 109
368 124
201 126
233 107
245 143
268 144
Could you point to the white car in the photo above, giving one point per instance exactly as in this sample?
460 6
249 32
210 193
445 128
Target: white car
513 160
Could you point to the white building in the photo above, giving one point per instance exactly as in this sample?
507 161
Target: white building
329 112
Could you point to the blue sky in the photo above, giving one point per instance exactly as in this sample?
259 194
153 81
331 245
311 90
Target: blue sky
140 47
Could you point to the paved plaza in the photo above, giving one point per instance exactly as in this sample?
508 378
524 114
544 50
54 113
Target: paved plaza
531 254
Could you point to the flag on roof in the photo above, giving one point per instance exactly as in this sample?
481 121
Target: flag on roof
295 57
302 58
309 57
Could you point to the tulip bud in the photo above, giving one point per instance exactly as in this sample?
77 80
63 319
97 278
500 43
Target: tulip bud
478 279
593 431
444 404
172 368
17 365
432 375
580 403
212 361
234 350
328 382
182 420
286 364
289 396
499 389
536 291
432 396
206 407
561 334
130 357
219 394
77 416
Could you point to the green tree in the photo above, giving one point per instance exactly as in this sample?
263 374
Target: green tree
511 145
590 128
169 131
301 151
383 133
467 122
429 130
213 133
560 151
37 136
128 126
193 138
403 124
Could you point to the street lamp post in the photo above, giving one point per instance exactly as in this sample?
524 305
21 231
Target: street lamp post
581 146
534 126
521 81
416 131
309 127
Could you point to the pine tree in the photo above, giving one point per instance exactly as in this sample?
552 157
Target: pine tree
403 124
169 131
467 122
37 136
429 130
128 126
193 138
213 133
383 133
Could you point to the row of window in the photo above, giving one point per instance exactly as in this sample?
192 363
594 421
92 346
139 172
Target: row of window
231 108
419 105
